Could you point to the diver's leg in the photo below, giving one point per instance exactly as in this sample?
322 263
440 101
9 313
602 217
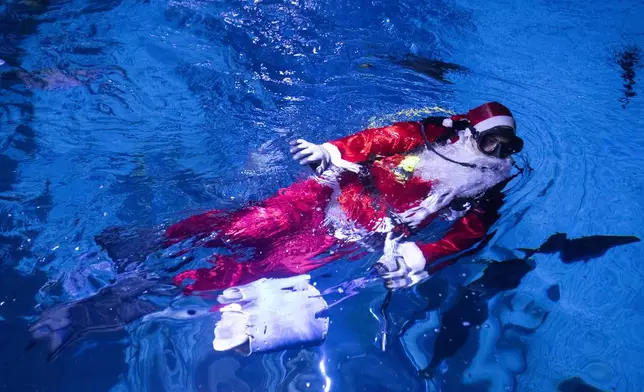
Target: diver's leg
196 226
278 215
127 246
290 255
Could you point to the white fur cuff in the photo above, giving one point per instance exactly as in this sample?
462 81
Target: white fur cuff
337 161
412 255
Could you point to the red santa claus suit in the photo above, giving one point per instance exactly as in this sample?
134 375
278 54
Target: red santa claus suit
380 180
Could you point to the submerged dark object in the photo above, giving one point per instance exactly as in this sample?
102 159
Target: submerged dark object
579 249
554 293
435 69
501 276
576 384
629 61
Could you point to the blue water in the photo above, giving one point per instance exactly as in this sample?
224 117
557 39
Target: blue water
141 112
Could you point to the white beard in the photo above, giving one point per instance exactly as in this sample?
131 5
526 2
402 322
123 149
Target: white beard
451 180
457 180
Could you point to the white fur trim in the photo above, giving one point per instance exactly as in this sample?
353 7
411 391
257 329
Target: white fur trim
495 121
412 255
338 161
448 123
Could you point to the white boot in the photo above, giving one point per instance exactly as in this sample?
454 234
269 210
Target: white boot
271 314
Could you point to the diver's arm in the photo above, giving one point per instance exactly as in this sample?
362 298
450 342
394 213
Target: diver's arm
406 263
465 233
373 142
348 152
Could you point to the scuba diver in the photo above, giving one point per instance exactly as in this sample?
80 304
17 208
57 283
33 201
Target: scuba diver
380 183
374 190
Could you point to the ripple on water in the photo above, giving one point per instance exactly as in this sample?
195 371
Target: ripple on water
600 372
591 343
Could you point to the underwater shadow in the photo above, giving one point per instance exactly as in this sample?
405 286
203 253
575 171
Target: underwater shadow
579 249
470 307
435 69
629 61
576 384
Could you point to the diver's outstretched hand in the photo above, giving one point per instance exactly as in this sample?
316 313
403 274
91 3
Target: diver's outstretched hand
311 154
271 314
402 265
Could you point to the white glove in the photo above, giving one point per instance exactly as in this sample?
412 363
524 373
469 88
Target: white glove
430 205
402 265
270 314
311 154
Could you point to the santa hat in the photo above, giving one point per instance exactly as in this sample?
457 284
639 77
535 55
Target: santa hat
490 115
485 117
